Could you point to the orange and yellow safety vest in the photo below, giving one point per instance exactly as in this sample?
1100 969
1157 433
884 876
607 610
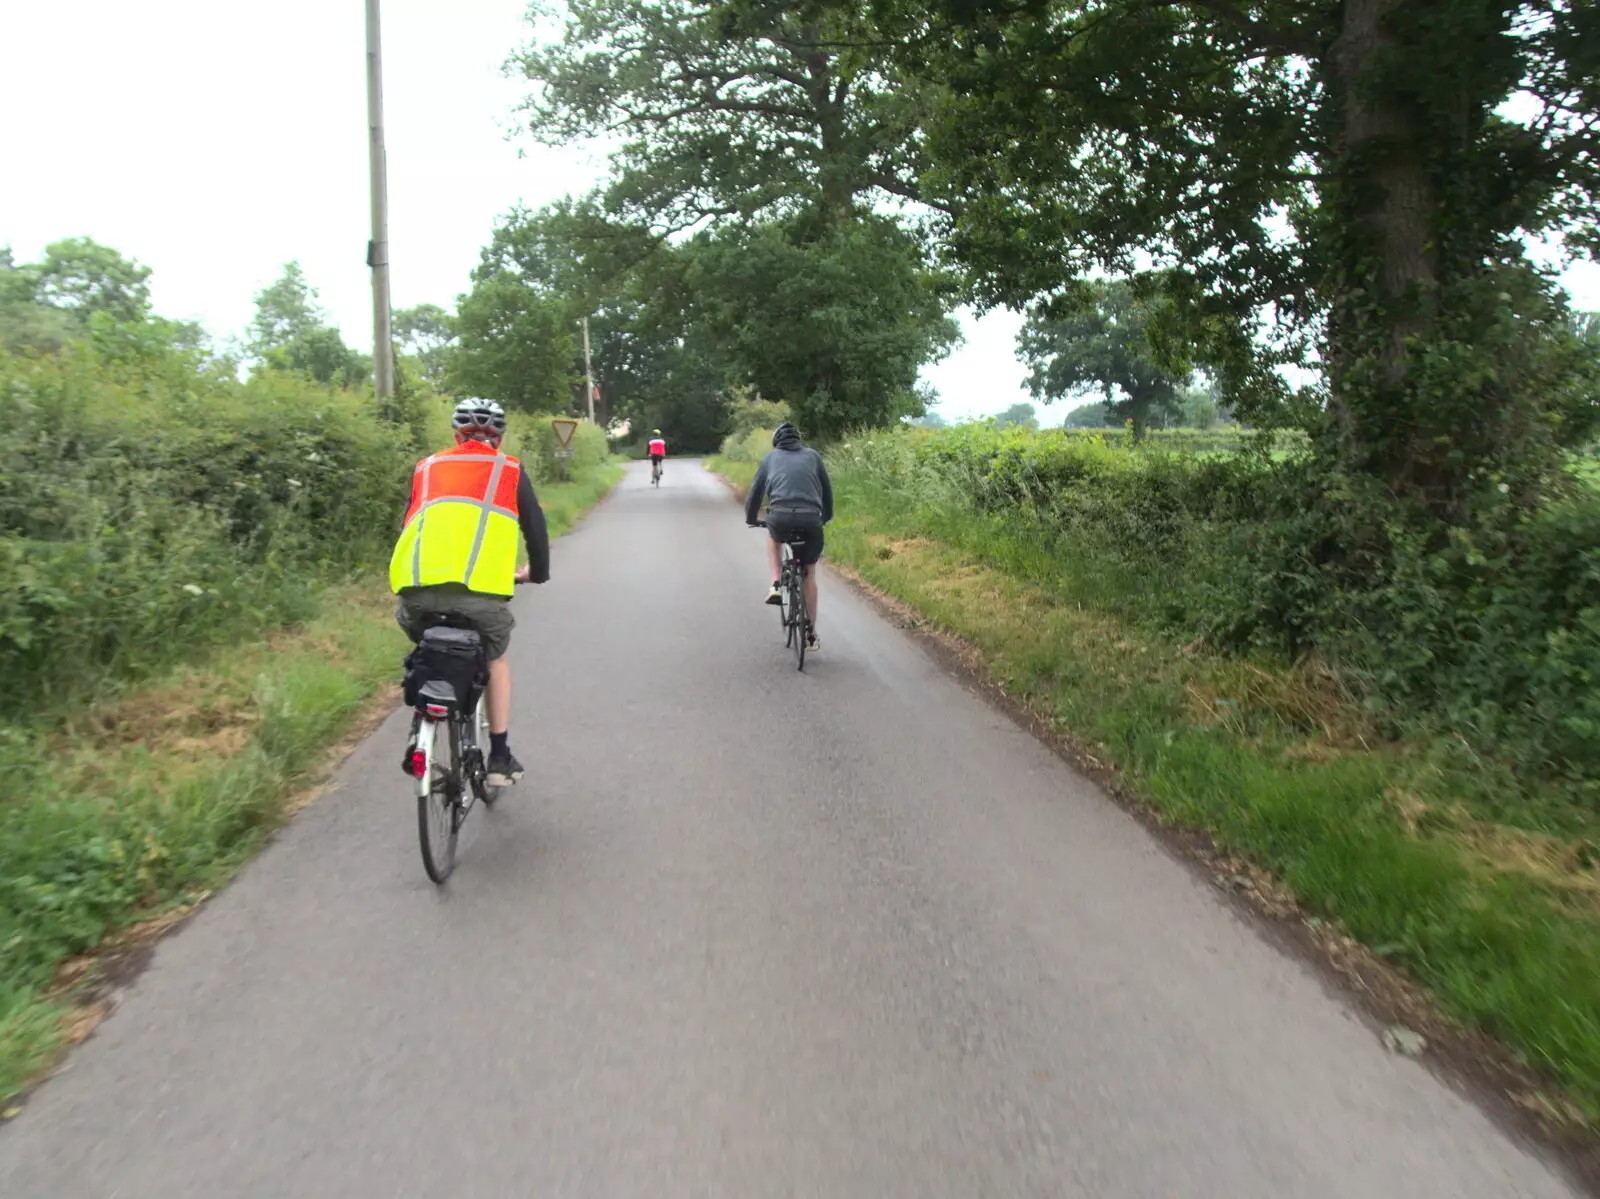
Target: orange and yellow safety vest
462 523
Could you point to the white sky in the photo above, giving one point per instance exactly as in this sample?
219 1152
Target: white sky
215 141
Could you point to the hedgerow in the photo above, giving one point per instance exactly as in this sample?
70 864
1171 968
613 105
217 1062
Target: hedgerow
1488 630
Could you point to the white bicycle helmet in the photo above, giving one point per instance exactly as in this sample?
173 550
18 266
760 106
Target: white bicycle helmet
474 415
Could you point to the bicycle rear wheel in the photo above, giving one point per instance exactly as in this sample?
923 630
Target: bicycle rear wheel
797 604
439 807
786 595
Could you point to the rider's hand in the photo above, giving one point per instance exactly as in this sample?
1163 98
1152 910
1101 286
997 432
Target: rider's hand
520 575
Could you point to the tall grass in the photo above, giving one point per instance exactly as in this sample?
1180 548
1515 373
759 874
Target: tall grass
154 798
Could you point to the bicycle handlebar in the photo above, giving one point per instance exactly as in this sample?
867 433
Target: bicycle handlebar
758 524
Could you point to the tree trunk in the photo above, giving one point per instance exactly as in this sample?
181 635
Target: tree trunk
1386 270
828 95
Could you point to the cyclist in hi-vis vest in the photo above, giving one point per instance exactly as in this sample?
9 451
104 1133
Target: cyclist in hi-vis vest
457 554
658 453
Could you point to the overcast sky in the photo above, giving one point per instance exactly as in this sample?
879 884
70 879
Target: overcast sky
214 142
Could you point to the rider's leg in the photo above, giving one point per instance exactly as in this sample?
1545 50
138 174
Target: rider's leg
812 551
504 769
499 695
775 559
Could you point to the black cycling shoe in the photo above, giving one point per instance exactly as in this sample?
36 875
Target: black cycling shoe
503 769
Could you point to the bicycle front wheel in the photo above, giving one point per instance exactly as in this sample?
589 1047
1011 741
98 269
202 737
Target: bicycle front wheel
439 799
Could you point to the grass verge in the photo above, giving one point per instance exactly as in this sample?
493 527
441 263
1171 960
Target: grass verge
737 471
565 503
145 803
1402 845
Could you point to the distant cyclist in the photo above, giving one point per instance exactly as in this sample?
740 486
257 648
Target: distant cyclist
794 482
457 555
658 454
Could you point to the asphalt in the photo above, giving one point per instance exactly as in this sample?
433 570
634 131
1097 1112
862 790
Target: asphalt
740 932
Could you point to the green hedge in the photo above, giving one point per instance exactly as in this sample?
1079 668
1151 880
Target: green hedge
1489 630
533 440
750 446
151 504
147 511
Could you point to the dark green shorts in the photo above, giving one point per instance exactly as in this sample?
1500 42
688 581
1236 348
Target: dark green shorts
489 614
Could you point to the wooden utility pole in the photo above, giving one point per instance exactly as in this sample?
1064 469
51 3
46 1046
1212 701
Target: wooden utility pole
588 369
378 247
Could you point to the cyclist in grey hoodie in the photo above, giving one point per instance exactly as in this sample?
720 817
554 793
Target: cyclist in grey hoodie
794 482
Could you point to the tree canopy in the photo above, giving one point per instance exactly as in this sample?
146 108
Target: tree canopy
1089 416
836 319
290 332
1098 339
516 345
740 239
1019 415
47 303
1345 186
425 332
716 119
83 276
835 323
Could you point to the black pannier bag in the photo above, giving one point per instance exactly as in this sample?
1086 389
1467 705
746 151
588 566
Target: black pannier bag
453 661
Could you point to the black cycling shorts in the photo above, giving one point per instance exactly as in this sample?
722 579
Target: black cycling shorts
802 525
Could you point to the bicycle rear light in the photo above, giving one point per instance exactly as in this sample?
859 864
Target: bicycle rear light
437 711
419 763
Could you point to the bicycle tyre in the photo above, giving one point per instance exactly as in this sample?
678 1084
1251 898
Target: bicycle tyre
786 596
438 806
798 625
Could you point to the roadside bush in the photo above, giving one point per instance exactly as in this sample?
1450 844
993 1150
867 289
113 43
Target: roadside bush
744 418
533 440
146 511
750 446
1489 631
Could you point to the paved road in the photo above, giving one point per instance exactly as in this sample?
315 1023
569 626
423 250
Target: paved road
741 933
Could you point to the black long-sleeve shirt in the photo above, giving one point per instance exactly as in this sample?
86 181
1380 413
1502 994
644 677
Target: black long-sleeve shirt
535 532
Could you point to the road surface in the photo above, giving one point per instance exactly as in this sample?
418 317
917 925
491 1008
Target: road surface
741 932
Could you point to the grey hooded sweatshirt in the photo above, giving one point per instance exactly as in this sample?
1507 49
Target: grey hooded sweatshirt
791 476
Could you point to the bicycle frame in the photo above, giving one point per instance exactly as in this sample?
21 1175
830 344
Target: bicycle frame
791 581
472 733
452 777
